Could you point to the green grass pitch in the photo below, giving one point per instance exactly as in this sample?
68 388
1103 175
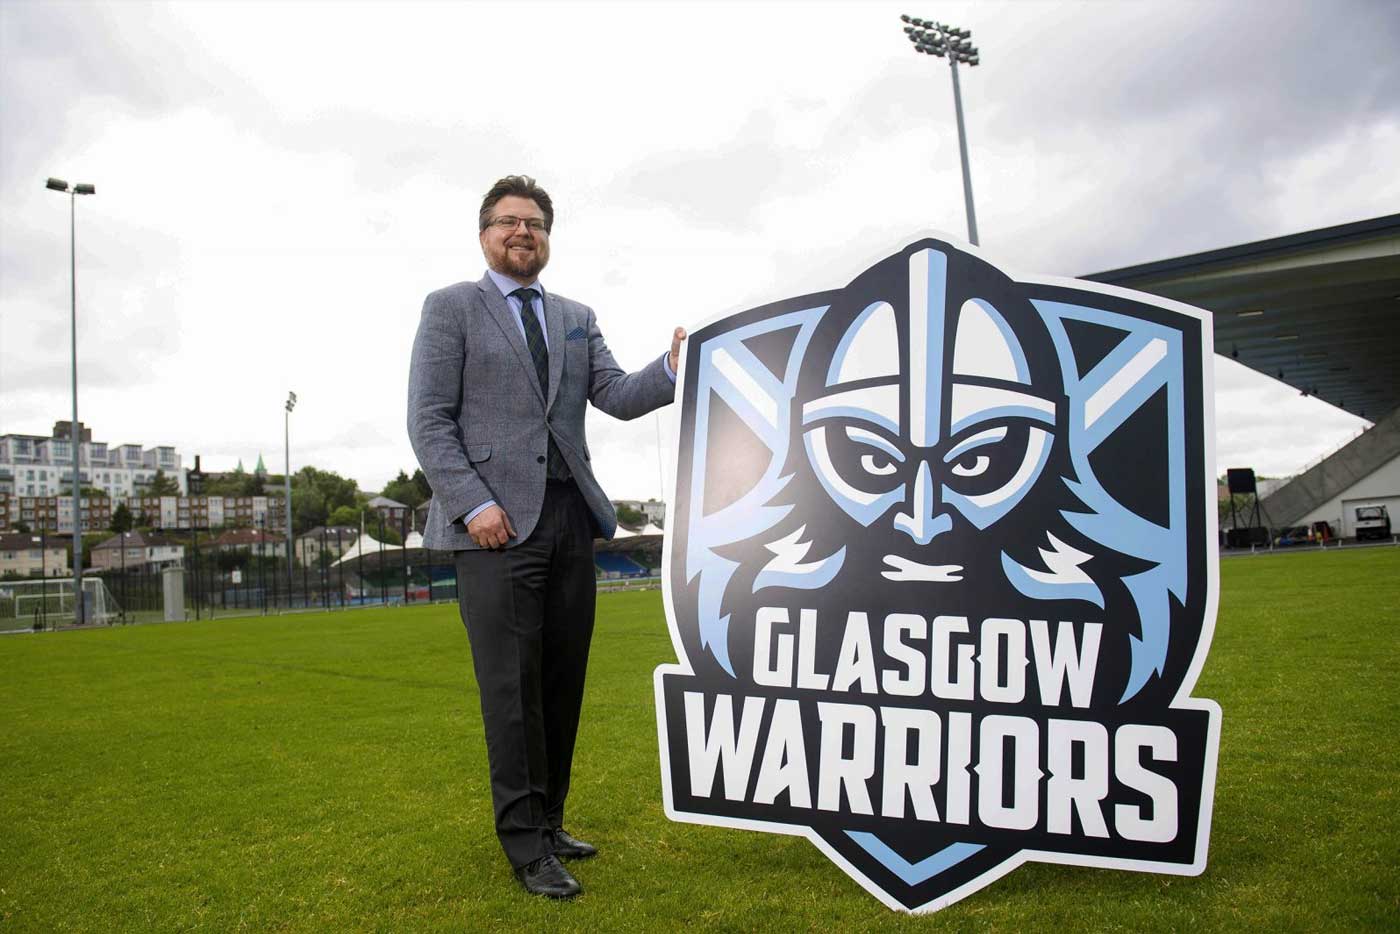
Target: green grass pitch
327 772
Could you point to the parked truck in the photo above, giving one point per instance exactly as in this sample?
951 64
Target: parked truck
1372 522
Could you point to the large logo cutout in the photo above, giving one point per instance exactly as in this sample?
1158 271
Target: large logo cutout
941 574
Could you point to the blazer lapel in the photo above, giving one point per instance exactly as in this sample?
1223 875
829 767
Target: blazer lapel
499 309
554 324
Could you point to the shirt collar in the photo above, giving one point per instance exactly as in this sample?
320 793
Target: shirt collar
507 285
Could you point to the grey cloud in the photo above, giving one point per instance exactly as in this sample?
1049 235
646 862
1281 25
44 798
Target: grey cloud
721 187
58 55
1266 75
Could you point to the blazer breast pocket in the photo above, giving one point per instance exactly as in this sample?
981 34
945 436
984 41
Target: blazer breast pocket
577 334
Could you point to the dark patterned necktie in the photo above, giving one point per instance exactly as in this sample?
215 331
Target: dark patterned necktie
556 469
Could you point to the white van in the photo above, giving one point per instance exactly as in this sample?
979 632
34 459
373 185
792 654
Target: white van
1372 522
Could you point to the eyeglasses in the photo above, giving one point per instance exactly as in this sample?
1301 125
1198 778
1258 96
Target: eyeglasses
509 222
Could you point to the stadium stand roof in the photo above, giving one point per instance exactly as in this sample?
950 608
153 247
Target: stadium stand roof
1318 310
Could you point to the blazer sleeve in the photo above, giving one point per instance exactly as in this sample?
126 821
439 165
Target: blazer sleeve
620 394
435 405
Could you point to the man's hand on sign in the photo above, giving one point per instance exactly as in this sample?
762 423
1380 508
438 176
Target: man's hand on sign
676 338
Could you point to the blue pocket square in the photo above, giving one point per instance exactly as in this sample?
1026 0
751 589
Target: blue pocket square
577 334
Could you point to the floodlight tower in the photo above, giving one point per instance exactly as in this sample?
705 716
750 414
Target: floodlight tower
74 437
287 483
954 44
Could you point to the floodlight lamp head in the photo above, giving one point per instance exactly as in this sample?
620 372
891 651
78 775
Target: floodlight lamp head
908 30
84 189
56 184
904 17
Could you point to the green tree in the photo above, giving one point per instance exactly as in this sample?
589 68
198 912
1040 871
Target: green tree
629 516
229 484
406 490
420 480
318 493
22 527
121 519
161 485
344 515
90 541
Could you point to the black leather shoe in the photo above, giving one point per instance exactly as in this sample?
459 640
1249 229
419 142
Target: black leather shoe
566 847
547 876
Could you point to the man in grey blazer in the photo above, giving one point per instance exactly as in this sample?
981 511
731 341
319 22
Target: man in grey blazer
498 385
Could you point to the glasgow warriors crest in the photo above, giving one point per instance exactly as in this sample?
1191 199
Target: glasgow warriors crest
941 574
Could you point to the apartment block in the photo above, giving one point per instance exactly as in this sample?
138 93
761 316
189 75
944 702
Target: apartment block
168 513
54 513
209 512
39 465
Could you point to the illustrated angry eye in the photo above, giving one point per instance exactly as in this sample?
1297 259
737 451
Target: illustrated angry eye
991 470
986 461
859 469
978 466
877 464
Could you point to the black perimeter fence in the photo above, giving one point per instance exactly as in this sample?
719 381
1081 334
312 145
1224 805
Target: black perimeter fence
253 580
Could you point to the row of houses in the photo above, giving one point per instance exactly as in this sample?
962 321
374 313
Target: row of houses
167 513
174 513
34 555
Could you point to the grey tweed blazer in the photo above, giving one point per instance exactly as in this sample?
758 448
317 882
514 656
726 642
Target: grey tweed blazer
479 422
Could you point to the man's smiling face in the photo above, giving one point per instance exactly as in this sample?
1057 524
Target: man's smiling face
518 252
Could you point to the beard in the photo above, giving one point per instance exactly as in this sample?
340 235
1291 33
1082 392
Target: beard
524 265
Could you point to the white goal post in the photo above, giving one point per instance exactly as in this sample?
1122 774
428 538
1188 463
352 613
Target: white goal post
50 601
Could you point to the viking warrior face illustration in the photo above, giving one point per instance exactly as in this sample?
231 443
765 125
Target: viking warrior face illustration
923 418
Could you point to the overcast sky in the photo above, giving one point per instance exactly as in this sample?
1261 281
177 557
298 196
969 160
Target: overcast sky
279 185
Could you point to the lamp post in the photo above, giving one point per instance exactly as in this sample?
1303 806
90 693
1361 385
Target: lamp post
954 44
58 184
287 482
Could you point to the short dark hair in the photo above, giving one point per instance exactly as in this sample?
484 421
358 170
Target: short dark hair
522 186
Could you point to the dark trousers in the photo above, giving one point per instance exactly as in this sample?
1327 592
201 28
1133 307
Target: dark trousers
528 610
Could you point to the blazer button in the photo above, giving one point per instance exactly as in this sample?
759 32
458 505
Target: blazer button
540 459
